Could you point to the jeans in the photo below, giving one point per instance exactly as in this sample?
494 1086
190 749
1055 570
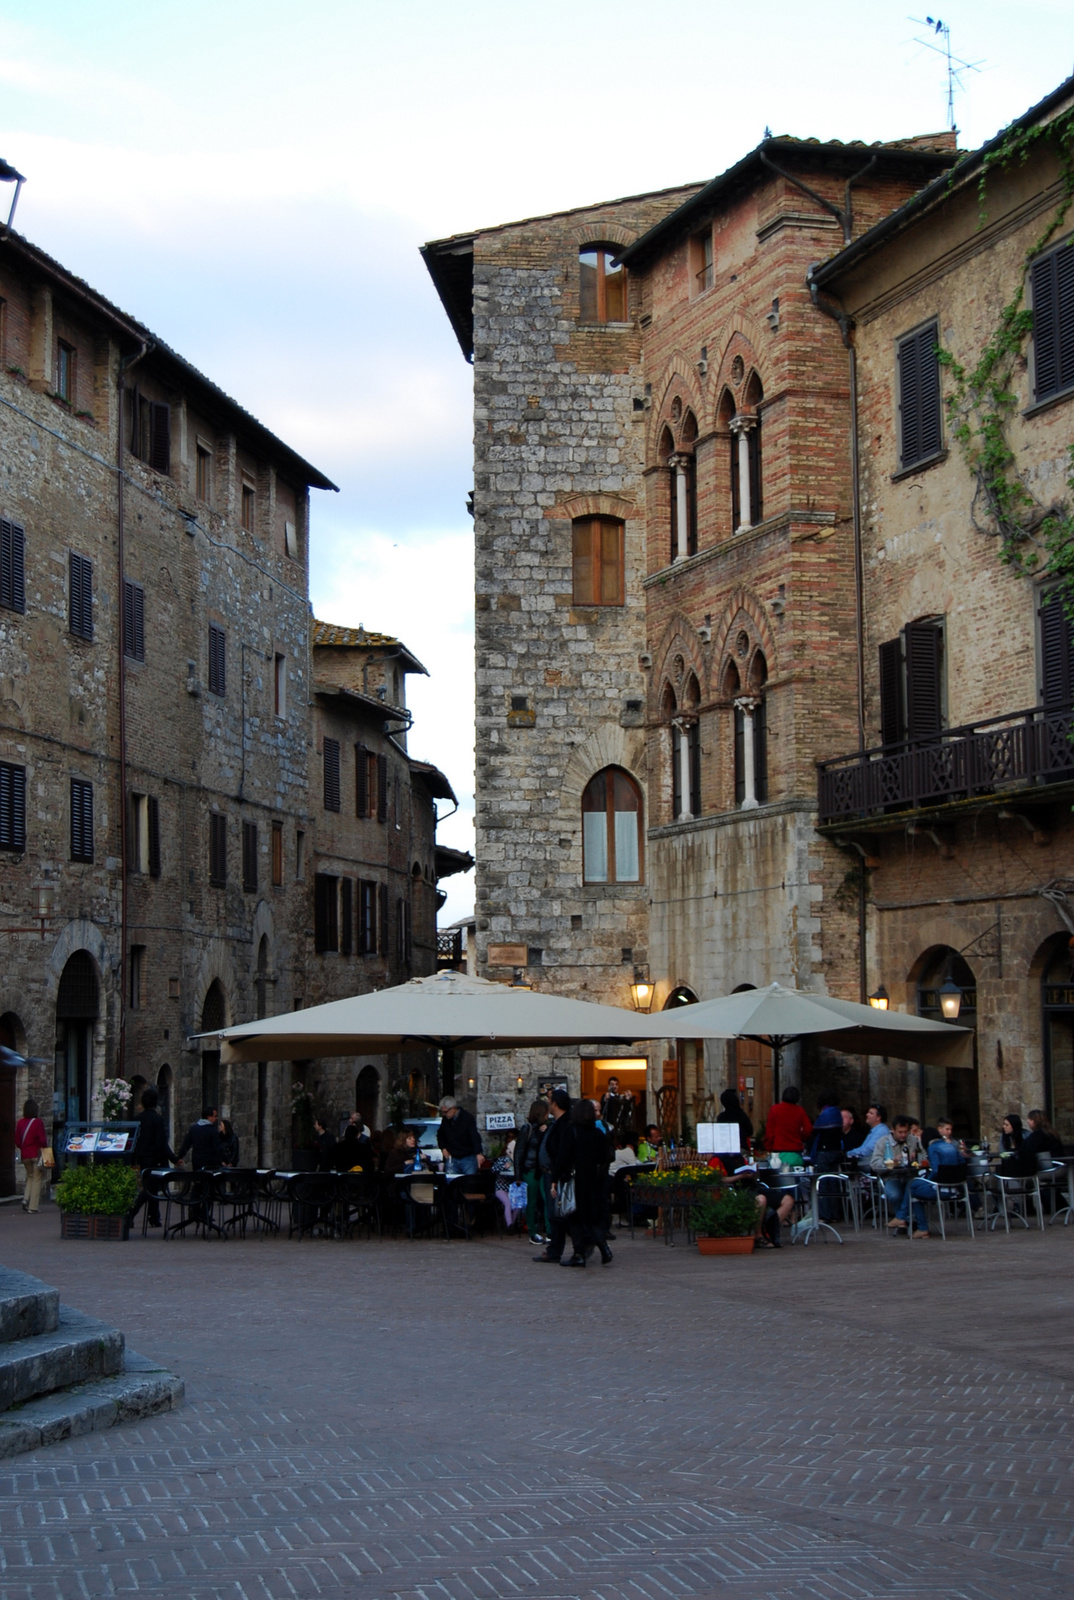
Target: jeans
461 1167
917 1189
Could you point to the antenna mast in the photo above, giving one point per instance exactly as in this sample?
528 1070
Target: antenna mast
955 65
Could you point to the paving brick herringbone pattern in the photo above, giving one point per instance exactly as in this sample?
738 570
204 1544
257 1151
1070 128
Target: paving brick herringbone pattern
449 1422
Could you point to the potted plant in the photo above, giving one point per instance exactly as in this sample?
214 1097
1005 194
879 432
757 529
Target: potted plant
725 1222
95 1201
113 1096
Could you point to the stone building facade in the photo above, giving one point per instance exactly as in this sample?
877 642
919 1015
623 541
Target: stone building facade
665 591
156 828
960 806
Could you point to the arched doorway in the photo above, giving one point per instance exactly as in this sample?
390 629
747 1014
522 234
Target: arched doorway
367 1096
753 1073
164 1090
948 1091
213 1018
1057 997
78 1004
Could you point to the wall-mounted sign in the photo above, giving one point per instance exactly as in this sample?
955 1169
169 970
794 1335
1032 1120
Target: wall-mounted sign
507 955
497 1121
546 1085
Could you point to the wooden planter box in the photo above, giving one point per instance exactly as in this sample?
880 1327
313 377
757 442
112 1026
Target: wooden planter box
74 1225
740 1245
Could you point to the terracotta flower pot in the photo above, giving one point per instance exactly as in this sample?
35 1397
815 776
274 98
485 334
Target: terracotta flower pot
740 1245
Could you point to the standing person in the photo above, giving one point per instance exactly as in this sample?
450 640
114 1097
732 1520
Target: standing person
548 1160
733 1112
787 1127
585 1155
229 1144
325 1146
527 1171
203 1142
459 1139
30 1140
151 1149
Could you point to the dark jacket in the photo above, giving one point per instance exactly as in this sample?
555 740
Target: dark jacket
353 1150
458 1135
203 1142
733 1112
551 1145
151 1147
527 1149
326 1148
1038 1143
585 1154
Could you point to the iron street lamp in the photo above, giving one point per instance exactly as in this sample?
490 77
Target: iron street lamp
641 992
879 999
950 1000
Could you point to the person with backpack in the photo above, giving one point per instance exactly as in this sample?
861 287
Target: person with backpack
527 1171
30 1140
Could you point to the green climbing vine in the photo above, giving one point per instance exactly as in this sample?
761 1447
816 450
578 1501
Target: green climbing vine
982 401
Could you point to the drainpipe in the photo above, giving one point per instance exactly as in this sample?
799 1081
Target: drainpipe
125 364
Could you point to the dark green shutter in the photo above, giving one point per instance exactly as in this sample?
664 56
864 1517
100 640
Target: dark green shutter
12 566
1056 651
892 704
924 679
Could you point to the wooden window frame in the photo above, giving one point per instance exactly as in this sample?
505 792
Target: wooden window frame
136 977
218 849
12 566
81 820
80 597
12 806
331 779
919 416
594 580
277 855
203 472
603 252
249 858
66 372
609 774
248 506
326 913
279 685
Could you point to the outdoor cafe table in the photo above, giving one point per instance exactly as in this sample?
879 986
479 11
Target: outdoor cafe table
790 1179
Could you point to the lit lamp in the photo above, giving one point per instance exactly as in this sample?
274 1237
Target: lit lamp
879 999
641 992
470 1081
950 1000
519 1084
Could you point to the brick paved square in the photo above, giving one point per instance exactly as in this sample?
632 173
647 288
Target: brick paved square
424 1421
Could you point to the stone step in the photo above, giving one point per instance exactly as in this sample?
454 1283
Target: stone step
140 1389
27 1306
79 1350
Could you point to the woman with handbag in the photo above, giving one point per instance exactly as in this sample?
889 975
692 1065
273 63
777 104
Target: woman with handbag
31 1141
581 1181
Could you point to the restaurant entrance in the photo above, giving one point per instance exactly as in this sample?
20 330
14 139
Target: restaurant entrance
632 1073
753 1080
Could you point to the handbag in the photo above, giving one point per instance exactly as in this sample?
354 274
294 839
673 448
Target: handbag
517 1196
565 1201
46 1158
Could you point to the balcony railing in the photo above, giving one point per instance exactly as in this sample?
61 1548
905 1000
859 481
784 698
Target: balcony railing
1022 749
449 952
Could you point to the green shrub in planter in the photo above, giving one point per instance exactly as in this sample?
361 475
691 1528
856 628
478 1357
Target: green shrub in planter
108 1190
728 1214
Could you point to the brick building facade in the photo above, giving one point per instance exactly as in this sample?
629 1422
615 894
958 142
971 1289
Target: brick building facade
156 826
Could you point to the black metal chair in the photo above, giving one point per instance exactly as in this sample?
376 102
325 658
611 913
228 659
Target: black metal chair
360 1202
470 1197
190 1193
315 1203
153 1186
950 1185
270 1197
425 1204
234 1190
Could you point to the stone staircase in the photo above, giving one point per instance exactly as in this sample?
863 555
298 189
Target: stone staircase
63 1374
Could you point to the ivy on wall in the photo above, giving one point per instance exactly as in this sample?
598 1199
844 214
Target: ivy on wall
982 401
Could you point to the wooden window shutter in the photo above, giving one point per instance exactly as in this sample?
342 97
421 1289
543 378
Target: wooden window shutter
133 864
153 805
160 437
331 774
924 679
325 913
584 532
676 771
133 620
277 854
1056 651
1052 282
693 735
217 660
12 566
361 781
81 820
382 920
249 857
892 706
81 596
920 430
218 849
12 806
611 562
382 788
346 933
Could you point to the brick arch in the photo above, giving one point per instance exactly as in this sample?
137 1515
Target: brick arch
744 603
216 964
609 746
603 233
680 381
593 505
680 638
741 336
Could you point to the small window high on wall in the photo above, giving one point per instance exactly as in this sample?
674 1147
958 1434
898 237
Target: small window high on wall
611 828
597 556
602 290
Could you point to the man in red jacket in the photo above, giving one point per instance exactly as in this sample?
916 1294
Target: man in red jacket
788 1127
30 1140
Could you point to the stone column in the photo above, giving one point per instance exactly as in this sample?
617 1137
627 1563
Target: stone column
684 769
747 705
679 465
741 426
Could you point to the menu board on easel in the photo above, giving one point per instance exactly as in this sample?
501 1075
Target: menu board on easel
81 1144
719 1139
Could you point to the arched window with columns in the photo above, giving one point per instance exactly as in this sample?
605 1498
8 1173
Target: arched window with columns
747 497
686 752
682 497
751 735
611 828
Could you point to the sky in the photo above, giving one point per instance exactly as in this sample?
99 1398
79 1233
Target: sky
253 181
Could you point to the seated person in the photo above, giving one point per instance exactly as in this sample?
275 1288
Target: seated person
942 1152
774 1206
354 1151
787 1127
899 1148
402 1156
1042 1139
826 1151
624 1154
1015 1161
877 1125
650 1146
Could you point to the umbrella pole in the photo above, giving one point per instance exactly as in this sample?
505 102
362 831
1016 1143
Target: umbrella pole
777 1061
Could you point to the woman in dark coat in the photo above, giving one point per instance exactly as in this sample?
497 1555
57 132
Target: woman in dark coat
586 1155
151 1150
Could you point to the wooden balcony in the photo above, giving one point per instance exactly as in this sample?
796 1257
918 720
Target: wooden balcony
996 759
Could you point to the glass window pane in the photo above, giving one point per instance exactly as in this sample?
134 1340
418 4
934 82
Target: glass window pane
626 847
614 292
594 798
626 795
595 846
587 267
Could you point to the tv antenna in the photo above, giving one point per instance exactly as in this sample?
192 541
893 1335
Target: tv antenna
955 65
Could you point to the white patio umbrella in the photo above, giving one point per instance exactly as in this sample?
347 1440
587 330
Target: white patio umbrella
450 1011
777 1016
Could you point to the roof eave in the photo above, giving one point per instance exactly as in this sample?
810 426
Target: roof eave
460 316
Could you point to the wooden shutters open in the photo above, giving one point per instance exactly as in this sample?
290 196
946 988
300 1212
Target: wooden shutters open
133 620
12 806
331 774
361 781
217 849
277 855
12 566
325 912
217 660
80 585
346 930
1052 282
924 679
81 820
382 920
382 788
892 703
249 857
153 809
920 427
1056 651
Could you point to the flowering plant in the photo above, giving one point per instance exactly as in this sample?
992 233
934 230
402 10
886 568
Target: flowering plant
113 1096
676 1177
